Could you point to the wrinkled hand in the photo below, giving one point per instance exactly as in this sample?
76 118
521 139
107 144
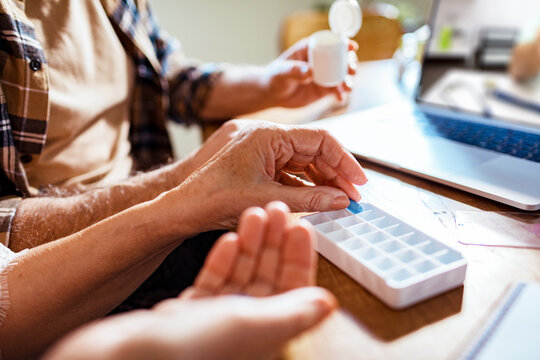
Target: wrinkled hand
290 79
214 144
256 167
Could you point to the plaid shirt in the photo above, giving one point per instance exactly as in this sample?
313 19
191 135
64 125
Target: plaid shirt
167 85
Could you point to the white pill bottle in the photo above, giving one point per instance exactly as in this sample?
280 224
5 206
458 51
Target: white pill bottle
328 50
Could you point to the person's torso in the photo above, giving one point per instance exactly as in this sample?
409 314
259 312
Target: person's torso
91 81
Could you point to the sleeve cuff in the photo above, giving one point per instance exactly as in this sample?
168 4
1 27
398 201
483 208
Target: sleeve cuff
190 91
8 207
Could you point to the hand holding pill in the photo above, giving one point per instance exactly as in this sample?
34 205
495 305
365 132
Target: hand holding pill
258 166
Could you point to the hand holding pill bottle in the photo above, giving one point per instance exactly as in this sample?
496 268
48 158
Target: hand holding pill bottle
327 50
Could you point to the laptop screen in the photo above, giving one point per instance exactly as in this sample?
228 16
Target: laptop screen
468 62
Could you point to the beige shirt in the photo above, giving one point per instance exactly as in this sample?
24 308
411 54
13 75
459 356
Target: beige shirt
91 82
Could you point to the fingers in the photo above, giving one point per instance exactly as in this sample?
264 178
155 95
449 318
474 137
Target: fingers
338 181
298 264
353 57
300 71
270 260
265 257
333 177
314 175
277 221
293 70
309 198
338 92
309 145
334 158
251 232
282 317
326 197
332 162
287 259
217 268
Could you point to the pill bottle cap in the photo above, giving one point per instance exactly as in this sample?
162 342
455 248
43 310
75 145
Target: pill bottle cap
345 17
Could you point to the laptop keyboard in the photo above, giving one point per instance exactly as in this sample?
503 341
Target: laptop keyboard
511 142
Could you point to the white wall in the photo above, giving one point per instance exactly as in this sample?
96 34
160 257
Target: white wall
236 31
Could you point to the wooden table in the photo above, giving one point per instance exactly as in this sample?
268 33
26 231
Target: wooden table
439 328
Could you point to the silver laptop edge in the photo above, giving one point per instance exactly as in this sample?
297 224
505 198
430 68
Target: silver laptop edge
503 178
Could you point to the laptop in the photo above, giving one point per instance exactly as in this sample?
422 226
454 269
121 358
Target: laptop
470 126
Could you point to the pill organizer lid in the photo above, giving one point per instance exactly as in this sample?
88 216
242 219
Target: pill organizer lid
345 17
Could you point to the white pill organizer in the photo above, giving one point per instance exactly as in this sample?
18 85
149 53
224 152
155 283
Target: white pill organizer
394 261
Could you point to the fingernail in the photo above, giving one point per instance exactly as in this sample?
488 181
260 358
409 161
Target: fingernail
340 203
364 180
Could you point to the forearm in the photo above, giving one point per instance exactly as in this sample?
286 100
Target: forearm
43 219
240 90
64 284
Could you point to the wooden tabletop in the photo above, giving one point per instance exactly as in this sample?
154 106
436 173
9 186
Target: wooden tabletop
439 328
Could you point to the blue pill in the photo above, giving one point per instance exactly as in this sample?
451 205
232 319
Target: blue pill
355 207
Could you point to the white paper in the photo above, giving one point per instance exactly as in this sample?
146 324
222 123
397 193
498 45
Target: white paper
498 229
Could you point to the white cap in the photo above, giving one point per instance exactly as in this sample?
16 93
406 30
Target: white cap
345 17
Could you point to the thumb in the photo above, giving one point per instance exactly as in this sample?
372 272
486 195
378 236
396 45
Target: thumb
282 317
309 198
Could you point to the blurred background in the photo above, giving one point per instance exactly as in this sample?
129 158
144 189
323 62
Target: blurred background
257 31
250 31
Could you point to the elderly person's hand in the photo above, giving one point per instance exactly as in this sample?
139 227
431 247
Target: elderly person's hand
290 78
213 144
257 167
525 62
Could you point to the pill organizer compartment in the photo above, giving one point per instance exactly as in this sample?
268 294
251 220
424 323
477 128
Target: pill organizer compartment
393 260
